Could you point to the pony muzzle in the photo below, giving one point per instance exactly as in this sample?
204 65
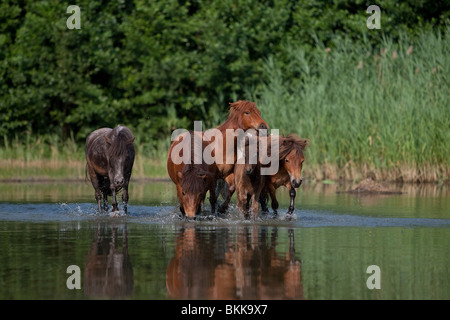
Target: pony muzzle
263 130
295 183
119 181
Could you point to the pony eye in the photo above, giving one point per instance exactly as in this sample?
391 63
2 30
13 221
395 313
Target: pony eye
286 160
247 112
184 193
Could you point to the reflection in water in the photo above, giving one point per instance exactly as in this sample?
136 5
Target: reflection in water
108 272
217 265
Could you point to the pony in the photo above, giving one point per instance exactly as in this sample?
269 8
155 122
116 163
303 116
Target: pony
192 180
243 115
248 183
109 161
290 155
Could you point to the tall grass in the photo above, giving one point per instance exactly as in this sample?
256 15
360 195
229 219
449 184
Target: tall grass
33 157
384 110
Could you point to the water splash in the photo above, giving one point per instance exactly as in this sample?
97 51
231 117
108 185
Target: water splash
165 215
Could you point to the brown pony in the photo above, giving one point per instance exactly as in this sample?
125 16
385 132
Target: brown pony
289 173
109 161
248 183
243 115
192 180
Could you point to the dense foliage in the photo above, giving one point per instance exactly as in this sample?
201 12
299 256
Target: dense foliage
367 97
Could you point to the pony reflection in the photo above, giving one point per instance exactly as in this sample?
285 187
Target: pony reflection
108 272
223 265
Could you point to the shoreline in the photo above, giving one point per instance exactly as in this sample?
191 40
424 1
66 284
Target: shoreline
151 169
161 179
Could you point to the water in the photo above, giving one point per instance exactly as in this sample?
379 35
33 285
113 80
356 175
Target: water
323 253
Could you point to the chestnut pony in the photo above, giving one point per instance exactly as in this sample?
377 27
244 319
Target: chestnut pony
109 161
243 115
289 173
192 181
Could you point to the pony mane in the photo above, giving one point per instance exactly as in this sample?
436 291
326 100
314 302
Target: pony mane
242 105
119 145
291 143
192 181
236 108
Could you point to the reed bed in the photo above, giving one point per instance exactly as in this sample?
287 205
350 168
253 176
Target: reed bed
383 111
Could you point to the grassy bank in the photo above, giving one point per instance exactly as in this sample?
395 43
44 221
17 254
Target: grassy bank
49 158
366 109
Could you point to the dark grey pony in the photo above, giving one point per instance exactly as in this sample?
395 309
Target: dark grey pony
110 157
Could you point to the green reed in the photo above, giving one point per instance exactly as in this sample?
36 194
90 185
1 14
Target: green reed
51 157
359 105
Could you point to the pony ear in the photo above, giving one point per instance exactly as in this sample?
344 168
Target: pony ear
107 139
304 143
179 174
131 141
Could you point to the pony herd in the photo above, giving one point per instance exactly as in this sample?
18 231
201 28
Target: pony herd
110 156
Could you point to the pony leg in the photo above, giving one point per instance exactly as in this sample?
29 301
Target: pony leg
273 199
242 203
231 189
125 198
114 200
292 194
98 198
105 201
212 199
255 205
263 201
96 184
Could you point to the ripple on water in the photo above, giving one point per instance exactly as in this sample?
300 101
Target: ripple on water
164 214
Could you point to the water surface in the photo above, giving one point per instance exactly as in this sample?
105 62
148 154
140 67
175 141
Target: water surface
323 253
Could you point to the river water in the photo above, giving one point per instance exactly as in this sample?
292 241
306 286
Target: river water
325 252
